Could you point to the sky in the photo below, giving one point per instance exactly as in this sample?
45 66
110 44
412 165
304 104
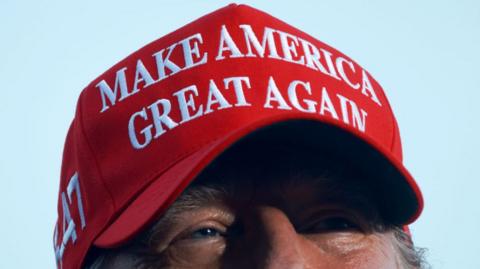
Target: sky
425 54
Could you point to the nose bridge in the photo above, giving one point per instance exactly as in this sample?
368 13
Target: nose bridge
279 245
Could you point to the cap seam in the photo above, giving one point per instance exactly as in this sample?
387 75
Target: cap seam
395 126
97 166
396 130
392 117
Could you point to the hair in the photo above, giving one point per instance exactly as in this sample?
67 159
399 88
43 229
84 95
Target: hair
292 160
411 257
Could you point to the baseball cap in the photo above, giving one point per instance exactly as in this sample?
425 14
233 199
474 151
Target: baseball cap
145 128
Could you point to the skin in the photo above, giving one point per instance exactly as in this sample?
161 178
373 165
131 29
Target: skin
278 223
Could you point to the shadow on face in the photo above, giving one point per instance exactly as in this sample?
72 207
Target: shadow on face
261 205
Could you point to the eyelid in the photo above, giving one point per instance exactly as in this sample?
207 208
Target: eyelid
187 233
324 215
175 226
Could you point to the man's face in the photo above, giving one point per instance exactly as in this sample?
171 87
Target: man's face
267 214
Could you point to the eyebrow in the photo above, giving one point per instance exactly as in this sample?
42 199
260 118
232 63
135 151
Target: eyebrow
197 196
193 198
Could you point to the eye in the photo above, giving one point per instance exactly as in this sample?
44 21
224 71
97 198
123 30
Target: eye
209 230
337 223
205 233
332 224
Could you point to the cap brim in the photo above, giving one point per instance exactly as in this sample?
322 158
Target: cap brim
400 197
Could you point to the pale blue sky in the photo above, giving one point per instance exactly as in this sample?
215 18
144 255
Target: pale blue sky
424 53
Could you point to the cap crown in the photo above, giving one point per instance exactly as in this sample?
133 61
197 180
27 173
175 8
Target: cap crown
225 70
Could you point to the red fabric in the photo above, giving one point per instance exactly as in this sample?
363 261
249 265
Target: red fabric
123 187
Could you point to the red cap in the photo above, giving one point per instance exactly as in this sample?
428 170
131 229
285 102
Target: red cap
146 127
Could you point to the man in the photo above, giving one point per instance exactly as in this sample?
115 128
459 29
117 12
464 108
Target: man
236 141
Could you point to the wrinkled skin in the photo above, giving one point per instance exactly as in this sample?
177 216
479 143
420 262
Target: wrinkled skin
269 225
